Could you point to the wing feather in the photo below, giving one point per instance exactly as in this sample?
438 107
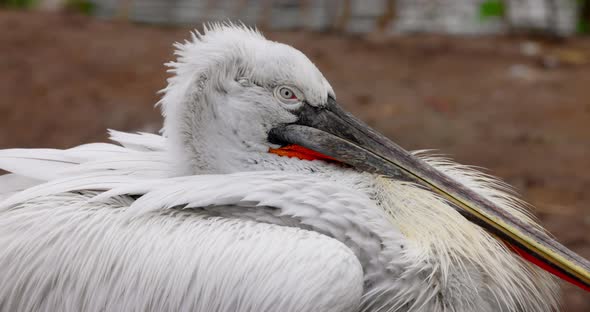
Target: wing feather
140 141
61 253
43 164
50 204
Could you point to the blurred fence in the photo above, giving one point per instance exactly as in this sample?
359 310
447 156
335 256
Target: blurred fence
555 17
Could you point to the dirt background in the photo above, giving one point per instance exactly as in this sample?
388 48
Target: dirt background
518 106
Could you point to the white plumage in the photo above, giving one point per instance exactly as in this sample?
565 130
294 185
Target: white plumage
203 218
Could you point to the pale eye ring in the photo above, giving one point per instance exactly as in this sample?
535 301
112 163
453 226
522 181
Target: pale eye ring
287 95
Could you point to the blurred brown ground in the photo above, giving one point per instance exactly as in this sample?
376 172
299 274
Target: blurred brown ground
64 79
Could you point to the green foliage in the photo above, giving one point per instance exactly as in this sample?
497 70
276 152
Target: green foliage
82 6
491 8
584 17
17 3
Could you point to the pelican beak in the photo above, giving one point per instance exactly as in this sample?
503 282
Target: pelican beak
329 130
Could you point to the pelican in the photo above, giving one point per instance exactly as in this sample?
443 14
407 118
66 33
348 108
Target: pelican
263 194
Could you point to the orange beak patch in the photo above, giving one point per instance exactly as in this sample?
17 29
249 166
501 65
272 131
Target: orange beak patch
300 152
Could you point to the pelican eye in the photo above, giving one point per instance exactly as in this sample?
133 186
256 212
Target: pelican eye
287 95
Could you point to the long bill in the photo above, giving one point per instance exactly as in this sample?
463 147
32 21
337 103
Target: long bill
331 131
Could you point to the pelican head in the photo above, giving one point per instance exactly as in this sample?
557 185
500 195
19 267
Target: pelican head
231 88
239 102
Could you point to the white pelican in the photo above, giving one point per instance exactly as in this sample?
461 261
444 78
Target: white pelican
262 194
